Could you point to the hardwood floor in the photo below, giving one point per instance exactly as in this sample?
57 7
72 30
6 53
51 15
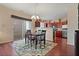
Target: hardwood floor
6 49
62 49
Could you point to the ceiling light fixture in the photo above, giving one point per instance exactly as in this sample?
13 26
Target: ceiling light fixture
35 16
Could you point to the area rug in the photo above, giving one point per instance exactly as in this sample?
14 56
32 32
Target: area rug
23 49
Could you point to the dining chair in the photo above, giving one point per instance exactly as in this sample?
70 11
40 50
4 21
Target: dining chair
44 36
31 38
41 38
26 35
39 31
44 31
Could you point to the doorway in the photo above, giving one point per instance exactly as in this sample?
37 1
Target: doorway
60 31
20 27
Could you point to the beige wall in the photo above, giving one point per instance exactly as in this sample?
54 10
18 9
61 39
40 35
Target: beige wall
6 23
72 23
33 25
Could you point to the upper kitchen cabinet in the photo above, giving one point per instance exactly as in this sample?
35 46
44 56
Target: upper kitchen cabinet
37 23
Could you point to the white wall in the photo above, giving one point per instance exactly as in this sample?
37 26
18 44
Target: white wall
72 22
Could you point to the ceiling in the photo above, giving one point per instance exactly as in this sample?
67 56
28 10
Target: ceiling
46 11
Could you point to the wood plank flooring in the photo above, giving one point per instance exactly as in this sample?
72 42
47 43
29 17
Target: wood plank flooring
62 49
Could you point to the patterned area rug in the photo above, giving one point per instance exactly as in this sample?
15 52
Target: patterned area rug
23 49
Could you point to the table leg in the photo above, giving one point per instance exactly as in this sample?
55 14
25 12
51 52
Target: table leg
44 42
36 44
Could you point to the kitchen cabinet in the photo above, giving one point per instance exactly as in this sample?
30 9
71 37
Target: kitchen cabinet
58 36
37 23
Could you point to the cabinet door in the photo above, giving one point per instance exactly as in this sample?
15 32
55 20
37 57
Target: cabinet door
37 23
58 36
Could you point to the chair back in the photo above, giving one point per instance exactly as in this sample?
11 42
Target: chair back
39 31
29 36
44 31
43 36
27 32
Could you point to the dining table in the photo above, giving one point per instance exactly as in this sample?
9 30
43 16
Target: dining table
36 35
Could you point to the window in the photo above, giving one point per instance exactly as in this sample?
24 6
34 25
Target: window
28 25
